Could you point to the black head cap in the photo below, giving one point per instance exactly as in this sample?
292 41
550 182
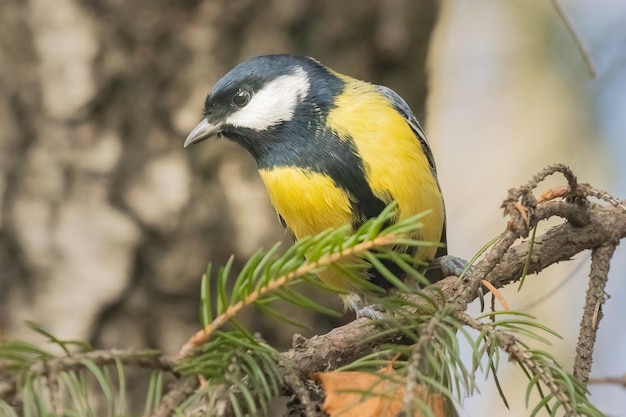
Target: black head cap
262 93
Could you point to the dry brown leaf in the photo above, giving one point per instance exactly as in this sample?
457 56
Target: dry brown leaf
363 394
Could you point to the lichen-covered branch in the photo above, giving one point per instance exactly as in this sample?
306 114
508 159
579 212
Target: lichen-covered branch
592 314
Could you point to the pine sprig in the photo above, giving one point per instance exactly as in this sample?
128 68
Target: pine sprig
245 364
46 384
433 358
542 368
267 276
425 352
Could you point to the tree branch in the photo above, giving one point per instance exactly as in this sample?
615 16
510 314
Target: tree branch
613 380
595 299
50 368
502 265
151 359
343 344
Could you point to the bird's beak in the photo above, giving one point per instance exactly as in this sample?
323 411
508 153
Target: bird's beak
202 131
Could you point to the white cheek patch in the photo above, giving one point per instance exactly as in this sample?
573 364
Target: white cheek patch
272 104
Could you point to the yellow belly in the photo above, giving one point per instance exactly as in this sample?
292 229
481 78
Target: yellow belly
308 202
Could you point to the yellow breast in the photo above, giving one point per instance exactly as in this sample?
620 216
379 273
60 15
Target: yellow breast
309 202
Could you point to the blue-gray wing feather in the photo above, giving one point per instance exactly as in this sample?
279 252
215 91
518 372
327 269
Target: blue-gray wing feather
403 108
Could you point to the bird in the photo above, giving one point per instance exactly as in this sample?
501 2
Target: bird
331 150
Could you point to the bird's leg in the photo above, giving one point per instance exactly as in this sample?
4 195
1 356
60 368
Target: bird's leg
356 301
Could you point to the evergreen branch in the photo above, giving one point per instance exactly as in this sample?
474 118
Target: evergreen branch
342 345
530 361
502 264
592 313
202 336
589 226
150 359
42 364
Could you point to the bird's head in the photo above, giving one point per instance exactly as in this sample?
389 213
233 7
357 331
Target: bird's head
257 98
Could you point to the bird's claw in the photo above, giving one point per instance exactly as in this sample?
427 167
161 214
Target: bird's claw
372 311
453 265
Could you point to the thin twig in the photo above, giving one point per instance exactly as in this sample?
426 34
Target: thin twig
579 44
572 182
586 189
595 298
613 380
592 191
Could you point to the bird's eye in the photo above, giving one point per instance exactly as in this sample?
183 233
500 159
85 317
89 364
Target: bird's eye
241 98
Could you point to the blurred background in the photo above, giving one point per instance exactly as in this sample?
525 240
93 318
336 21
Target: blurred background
107 223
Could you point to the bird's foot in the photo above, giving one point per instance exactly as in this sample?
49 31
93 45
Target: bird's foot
356 301
372 311
452 265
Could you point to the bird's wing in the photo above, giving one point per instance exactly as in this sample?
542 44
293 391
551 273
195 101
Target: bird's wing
287 229
403 108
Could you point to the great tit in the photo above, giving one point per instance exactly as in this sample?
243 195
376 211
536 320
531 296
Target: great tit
331 150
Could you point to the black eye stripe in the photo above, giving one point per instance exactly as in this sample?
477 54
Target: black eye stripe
241 98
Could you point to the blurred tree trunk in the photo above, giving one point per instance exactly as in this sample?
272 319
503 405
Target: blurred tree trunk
106 224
